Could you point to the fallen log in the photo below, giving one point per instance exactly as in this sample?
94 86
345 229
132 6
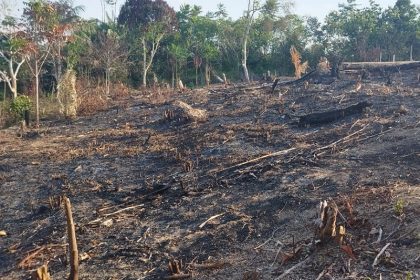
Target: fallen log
380 66
294 82
366 65
334 115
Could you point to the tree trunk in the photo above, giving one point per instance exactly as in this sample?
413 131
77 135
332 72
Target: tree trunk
173 77
207 74
107 82
244 57
196 76
411 52
144 62
13 74
14 87
37 93
59 67
249 17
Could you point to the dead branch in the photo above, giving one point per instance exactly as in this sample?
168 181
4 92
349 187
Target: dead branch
178 276
340 140
34 252
209 219
212 265
279 153
375 262
123 210
24 263
287 272
324 272
114 213
74 254
294 82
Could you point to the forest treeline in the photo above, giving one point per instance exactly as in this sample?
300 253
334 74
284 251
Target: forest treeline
147 42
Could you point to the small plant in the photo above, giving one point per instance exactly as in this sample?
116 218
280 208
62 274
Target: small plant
399 207
20 104
409 276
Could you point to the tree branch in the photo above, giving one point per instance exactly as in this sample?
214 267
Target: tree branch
6 79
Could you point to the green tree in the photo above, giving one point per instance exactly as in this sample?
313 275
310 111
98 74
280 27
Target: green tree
63 23
39 18
107 50
13 49
354 30
149 21
398 29
270 8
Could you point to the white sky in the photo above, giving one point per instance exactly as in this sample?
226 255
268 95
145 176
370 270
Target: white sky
235 8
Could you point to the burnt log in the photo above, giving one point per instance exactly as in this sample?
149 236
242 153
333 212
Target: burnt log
294 82
332 116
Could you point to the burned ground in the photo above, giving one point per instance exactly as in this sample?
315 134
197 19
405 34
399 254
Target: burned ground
171 175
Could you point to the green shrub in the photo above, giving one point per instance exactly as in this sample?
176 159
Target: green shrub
20 104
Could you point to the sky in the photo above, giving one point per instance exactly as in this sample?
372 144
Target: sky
234 8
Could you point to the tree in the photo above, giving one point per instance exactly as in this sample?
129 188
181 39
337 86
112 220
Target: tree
39 16
149 21
270 7
108 52
179 55
398 28
13 48
198 36
63 23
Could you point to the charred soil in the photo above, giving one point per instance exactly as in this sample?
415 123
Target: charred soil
232 196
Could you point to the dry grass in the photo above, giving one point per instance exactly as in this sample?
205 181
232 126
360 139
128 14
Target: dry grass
193 114
119 91
300 68
91 101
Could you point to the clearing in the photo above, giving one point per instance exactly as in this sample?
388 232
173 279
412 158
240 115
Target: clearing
143 180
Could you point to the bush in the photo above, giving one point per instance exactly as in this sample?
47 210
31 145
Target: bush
7 118
20 104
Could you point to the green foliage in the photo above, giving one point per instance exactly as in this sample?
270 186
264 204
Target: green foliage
399 207
192 41
20 104
140 14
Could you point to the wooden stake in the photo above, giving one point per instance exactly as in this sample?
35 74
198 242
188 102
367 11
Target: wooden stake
74 254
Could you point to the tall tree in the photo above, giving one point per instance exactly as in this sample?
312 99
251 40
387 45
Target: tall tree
13 49
398 28
62 24
149 21
39 15
107 50
270 7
